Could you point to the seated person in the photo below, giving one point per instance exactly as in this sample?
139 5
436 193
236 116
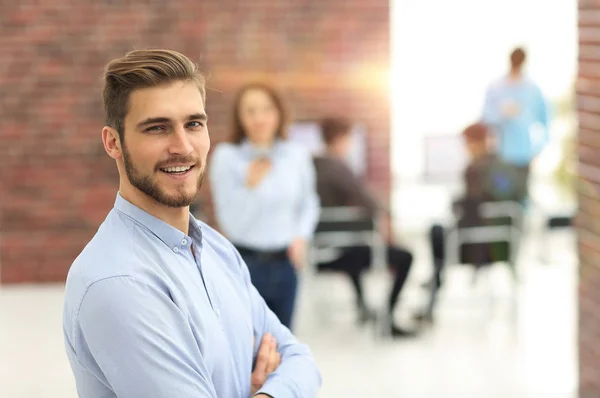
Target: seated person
338 186
487 179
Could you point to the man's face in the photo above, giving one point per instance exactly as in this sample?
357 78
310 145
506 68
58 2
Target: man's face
166 142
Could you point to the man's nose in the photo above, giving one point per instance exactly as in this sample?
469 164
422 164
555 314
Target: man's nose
180 142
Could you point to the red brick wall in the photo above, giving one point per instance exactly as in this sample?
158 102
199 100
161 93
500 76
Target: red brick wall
57 184
588 104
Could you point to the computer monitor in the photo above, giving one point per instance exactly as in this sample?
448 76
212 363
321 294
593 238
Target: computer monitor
445 157
308 134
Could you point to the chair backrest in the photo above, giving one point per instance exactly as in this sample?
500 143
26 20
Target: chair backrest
341 227
507 228
346 226
502 209
345 219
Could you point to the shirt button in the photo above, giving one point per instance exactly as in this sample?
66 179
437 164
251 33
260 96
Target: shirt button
176 249
184 242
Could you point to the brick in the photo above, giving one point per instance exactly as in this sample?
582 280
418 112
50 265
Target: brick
589 138
58 184
586 6
588 219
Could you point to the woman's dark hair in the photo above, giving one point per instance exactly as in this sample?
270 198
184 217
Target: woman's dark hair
238 133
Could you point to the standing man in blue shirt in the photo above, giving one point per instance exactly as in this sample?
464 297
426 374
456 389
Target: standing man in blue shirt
516 109
158 304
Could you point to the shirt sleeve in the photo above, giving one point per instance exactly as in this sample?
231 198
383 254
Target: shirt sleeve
297 376
543 116
140 343
310 207
237 206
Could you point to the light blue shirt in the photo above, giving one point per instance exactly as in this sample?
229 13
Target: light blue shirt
522 137
153 313
282 207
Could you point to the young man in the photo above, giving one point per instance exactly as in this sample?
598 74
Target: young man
338 186
158 304
516 109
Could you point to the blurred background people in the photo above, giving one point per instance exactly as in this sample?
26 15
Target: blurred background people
264 195
517 111
337 185
487 178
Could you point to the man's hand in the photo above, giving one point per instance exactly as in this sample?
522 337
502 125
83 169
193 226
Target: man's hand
297 253
267 360
257 171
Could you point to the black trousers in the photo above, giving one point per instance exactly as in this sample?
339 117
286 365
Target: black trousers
355 260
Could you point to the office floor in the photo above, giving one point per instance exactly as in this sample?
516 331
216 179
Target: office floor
477 348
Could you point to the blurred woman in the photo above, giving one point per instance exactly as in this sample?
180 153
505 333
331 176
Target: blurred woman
265 196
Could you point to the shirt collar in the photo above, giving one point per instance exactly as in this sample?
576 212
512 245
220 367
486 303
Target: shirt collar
170 235
248 148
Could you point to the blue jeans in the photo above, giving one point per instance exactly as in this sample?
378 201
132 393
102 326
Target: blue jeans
277 283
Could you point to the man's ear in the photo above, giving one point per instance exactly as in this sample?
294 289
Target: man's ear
112 142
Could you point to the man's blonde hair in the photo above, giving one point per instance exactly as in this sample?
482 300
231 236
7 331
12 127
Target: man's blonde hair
141 69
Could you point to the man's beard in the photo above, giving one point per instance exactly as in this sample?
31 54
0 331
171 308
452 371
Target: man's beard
148 185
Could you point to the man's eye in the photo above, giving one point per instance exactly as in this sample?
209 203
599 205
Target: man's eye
195 124
156 128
